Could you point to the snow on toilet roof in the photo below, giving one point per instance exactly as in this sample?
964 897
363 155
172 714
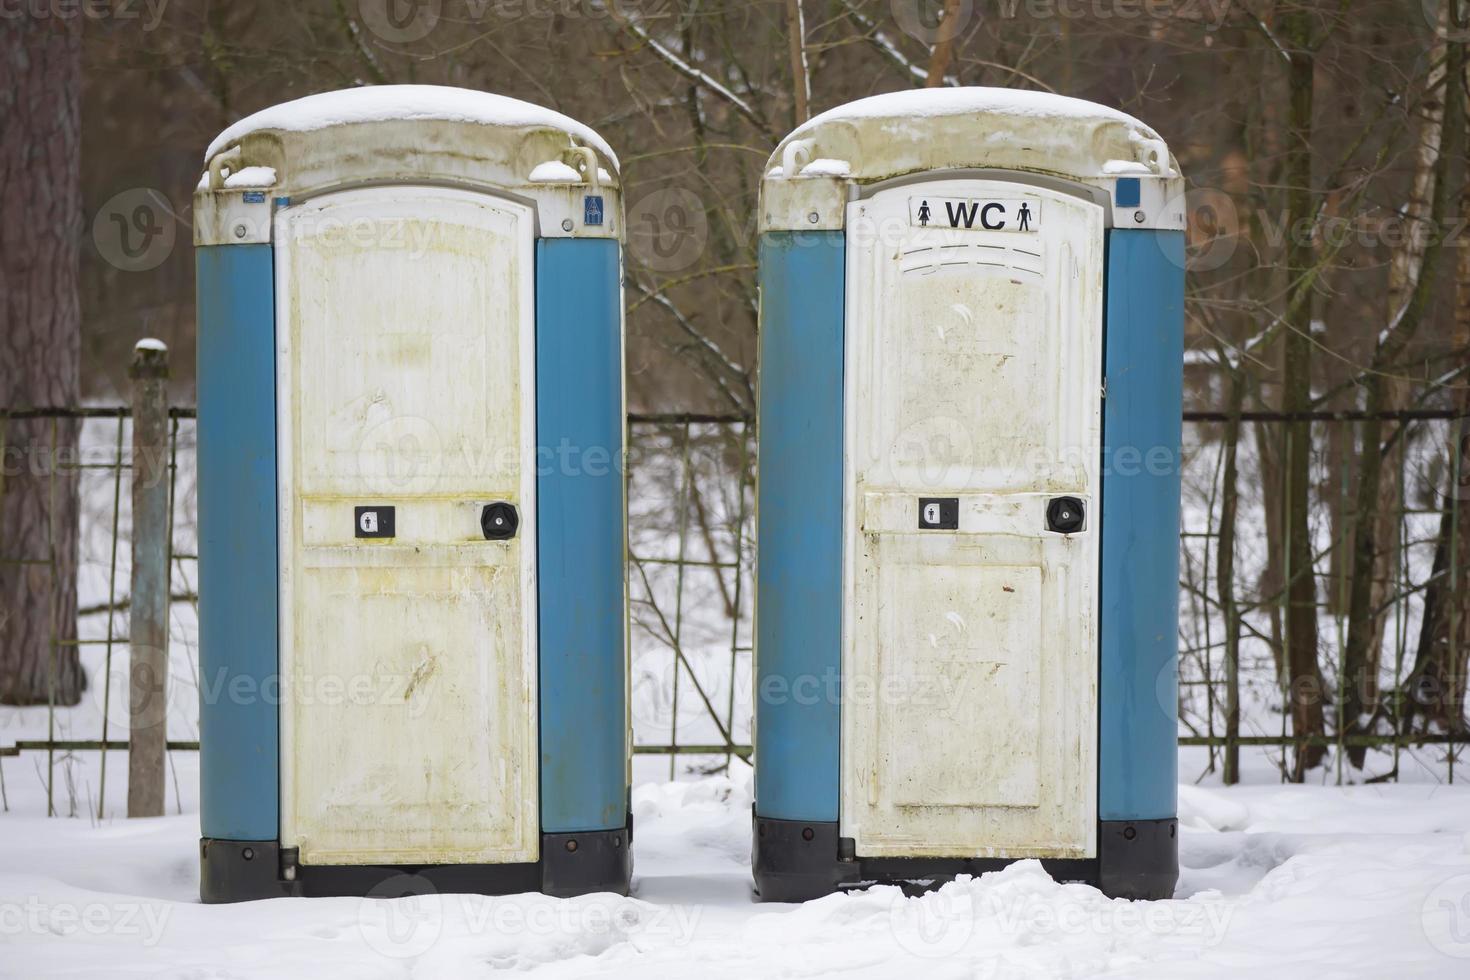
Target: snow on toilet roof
379 103
935 102
919 129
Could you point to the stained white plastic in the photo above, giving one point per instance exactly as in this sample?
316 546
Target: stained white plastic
973 362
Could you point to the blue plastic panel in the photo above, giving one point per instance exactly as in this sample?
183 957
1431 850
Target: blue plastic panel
579 490
1139 603
798 642
238 660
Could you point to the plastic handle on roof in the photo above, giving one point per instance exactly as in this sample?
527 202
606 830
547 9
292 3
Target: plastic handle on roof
229 158
802 148
589 163
1156 156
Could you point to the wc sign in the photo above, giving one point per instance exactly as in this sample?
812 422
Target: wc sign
976 213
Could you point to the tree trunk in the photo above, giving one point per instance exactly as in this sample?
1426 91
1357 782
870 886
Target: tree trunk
1433 695
1377 530
1225 576
41 199
1269 279
801 83
1271 584
1359 659
1304 675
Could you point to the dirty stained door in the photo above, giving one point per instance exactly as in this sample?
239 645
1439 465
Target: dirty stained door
973 359
404 351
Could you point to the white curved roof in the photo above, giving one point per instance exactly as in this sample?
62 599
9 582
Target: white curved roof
937 128
933 103
382 103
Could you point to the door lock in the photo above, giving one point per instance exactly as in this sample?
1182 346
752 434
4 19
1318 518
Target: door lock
939 513
1065 515
499 521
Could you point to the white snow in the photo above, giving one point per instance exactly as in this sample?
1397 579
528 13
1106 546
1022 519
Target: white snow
252 177
824 167
970 100
554 172
150 343
373 103
1276 881
1125 167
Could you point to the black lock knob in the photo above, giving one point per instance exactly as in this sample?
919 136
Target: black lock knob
499 521
1065 515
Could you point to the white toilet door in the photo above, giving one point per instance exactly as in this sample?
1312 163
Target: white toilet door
406 381
973 373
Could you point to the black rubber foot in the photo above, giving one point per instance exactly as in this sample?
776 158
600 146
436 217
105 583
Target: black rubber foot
239 870
1138 858
571 864
794 861
579 864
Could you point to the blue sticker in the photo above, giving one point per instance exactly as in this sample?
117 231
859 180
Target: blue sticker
255 197
1128 192
592 209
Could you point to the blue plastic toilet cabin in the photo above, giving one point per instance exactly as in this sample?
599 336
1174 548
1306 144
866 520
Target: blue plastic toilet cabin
971 320
411 514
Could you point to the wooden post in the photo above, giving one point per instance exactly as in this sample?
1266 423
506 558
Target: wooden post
148 626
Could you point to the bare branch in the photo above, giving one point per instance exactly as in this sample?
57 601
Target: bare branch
701 78
943 49
885 46
359 47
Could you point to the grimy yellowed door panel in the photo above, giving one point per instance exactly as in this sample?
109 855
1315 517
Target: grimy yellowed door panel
973 373
405 380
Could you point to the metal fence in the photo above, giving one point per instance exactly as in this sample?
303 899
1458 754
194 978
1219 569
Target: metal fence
98 465
690 485
1231 652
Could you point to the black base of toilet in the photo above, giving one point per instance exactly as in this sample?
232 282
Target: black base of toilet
570 864
794 861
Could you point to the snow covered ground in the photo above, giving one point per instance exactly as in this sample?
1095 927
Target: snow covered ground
1367 881
1278 881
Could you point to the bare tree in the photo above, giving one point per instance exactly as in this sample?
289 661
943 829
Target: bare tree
1445 125
41 198
1434 694
1304 673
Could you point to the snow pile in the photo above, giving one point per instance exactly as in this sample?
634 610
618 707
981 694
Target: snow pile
1016 922
252 177
1364 882
701 824
375 103
554 172
1126 167
824 167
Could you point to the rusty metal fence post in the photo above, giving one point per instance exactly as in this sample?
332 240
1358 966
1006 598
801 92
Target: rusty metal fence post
148 626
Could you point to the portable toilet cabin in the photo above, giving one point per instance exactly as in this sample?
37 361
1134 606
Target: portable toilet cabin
411 510
971 318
